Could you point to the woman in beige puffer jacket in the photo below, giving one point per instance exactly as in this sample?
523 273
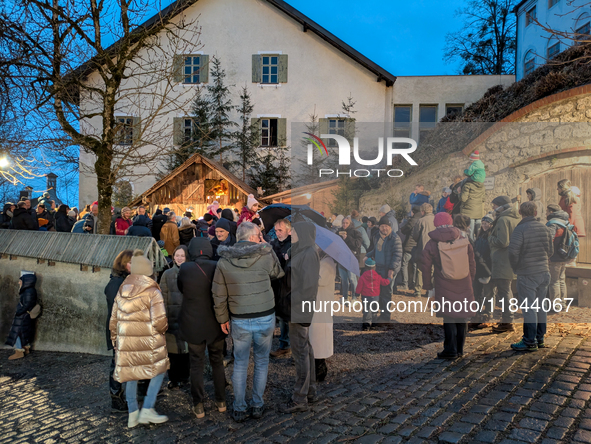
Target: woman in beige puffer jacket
138 324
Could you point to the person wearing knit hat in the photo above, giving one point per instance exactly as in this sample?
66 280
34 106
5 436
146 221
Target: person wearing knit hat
442 220
142 265
571 203
211 232
249 211
385 210
450 258
476 171
444 195
489 219
223 236
138 324
387 254
338 222
369 287
507 218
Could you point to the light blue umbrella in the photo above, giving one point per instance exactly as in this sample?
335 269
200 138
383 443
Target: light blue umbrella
334 245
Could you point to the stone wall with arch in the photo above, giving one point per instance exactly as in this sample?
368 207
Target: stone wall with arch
552 134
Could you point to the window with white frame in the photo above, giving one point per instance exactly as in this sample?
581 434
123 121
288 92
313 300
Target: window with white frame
270 68
124 130
530 16
269 132
188 130
335 126
529 63
191 69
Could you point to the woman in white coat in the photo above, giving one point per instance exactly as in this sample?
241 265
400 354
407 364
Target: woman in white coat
321 336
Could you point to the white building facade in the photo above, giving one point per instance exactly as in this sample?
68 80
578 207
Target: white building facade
536 45
292 67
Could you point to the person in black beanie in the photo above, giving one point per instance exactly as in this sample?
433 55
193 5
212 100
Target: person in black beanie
223 236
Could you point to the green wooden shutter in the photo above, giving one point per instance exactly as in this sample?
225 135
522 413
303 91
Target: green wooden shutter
178 63
322 126
204 69
282 132
256 68
137 130
257 121
177 131
350 130
282 78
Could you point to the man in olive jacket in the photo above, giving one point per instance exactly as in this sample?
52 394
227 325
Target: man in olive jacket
529 253
472 205
499 238
242 295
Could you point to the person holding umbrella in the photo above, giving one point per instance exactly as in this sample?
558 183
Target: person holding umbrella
305 269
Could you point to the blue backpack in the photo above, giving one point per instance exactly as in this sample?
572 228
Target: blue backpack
568 247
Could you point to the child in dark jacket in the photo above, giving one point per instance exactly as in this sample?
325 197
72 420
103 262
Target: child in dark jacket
369 289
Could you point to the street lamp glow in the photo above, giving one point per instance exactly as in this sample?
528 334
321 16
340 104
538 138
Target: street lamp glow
3 162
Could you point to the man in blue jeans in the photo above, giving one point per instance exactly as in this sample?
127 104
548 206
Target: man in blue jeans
245 306
529 251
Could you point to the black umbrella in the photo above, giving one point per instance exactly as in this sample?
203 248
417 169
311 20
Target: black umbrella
271 213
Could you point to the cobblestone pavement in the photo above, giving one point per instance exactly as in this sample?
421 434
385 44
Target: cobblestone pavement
492 395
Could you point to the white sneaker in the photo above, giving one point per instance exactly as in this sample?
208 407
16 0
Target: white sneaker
148 416
133 419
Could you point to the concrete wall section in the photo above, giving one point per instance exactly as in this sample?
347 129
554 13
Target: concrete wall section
74 305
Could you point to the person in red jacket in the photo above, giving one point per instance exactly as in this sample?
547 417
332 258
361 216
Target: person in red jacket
369 289
571 203
123 223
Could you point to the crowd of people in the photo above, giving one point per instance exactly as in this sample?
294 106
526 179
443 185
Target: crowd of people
227 278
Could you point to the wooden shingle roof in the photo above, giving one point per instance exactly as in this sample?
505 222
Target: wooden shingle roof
231 178
85 249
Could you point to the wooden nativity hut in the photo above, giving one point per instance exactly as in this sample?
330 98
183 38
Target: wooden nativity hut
194 186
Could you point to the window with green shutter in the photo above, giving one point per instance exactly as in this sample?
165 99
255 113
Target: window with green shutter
269 69
125 127
191 69
184 130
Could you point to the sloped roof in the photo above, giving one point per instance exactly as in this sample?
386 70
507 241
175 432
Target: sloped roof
97 250
312 188
242 186
179 6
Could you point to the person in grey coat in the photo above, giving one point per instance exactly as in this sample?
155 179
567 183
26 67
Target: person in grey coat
529 250
244 299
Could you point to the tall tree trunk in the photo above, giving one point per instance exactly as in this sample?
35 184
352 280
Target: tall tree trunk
102 167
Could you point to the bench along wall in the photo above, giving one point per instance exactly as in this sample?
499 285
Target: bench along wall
72 271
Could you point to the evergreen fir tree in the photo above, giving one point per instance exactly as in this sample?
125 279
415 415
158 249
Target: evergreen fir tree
219 111
246 139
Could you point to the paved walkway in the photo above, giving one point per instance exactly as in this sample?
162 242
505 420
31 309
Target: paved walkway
492 395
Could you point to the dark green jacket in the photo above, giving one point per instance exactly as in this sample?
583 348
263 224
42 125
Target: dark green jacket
472 200
242 280
499 239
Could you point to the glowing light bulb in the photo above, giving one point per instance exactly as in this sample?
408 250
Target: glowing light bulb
4 162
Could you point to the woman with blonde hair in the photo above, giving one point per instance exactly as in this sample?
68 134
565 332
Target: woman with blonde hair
571 203
138 324
186 231
178 351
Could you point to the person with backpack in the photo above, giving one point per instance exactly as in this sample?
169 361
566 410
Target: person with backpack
529 251
450 257
566 245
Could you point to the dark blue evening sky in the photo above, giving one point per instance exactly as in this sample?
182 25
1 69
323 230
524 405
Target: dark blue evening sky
405 37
